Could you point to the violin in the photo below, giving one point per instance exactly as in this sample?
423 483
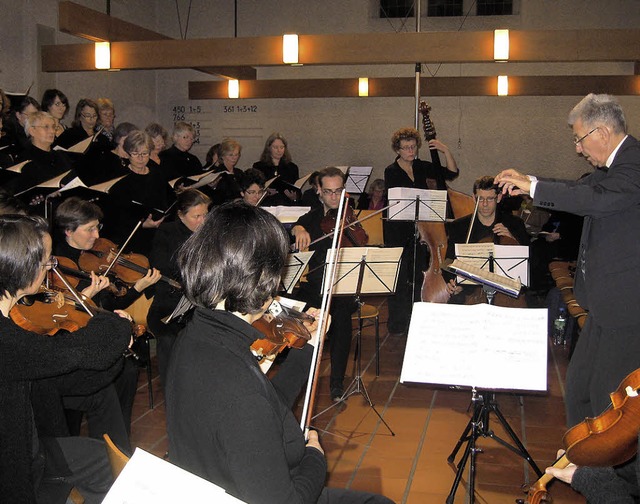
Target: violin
49 311
282 329
74 275
607 440
353 231
105 256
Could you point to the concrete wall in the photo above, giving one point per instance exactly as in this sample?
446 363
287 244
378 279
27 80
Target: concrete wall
485 133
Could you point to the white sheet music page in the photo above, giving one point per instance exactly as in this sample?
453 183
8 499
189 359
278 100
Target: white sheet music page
433 204
479 345
147 478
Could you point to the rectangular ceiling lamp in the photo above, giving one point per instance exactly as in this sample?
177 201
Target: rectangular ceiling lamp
233 89
501 45
503 85
103 55
363 86
290 48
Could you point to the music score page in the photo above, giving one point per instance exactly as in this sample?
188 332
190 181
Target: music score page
479 345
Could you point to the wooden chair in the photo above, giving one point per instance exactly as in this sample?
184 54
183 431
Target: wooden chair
117 459
371 313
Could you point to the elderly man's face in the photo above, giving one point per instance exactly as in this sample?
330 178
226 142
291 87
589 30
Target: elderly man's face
590 143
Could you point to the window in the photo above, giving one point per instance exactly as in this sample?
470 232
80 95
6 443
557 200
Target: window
495 7
440 8
396 8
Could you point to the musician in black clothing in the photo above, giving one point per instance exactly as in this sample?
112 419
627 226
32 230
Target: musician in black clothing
307 229
409 171
177 161
275 161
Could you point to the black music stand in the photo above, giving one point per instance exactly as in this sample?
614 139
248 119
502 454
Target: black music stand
419 208
378 284
484 404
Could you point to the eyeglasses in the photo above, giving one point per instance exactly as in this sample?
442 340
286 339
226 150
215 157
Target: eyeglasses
252 192
93 229
139 154
89 116
576 141
58 104
409 147
334 192
490 199
107 114
46 127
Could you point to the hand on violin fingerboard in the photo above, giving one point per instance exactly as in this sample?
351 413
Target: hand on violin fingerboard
502 230
312 326
565 474
303 239
97 284
153 276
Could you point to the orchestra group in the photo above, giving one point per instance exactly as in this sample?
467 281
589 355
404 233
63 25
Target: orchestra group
126 211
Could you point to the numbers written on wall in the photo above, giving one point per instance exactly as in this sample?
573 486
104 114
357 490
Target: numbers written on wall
240 109
197 116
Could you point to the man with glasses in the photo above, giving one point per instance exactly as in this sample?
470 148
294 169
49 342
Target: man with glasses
490 225
607 279
306 229
608 269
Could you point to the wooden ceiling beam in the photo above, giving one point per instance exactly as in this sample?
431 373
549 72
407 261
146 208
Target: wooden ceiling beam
361 49
564 85
96 26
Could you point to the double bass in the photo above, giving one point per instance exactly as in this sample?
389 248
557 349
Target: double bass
433 234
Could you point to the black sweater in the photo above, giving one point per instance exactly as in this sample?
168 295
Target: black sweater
26 357
230 424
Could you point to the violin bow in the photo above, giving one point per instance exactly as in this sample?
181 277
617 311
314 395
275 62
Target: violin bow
73 292
323 324
473 219
119 253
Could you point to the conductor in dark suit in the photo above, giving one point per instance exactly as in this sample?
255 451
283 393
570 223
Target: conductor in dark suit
607 281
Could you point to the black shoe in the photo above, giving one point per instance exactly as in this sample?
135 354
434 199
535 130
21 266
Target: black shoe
336 394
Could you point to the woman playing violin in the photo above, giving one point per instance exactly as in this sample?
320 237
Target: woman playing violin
91 355
192 207
78 225
226 421
409 171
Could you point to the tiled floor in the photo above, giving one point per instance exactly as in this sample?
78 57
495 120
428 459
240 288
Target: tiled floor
411 466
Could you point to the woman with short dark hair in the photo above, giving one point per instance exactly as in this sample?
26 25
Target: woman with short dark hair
56 103
226 421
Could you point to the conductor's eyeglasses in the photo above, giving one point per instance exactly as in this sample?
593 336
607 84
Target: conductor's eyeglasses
576 141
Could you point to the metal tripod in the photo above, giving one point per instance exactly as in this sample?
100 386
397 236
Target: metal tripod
483 405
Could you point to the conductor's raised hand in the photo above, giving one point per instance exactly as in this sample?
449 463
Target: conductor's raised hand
513 182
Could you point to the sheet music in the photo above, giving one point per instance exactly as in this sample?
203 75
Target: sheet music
477 345
499 282
433 204
18 167
357 179
301 181
147 478
380 273
78 148
511 261
287 214
293 269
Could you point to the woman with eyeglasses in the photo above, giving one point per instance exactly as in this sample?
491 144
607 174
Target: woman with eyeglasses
13 127
83 126
56 103
44 162
252 187
409 171
142 195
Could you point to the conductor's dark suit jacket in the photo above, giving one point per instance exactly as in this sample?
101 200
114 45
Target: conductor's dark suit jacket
608 271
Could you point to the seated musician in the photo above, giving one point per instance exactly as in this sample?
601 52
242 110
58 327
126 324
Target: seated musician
33 468
78 225
226 421
308 228
490 225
